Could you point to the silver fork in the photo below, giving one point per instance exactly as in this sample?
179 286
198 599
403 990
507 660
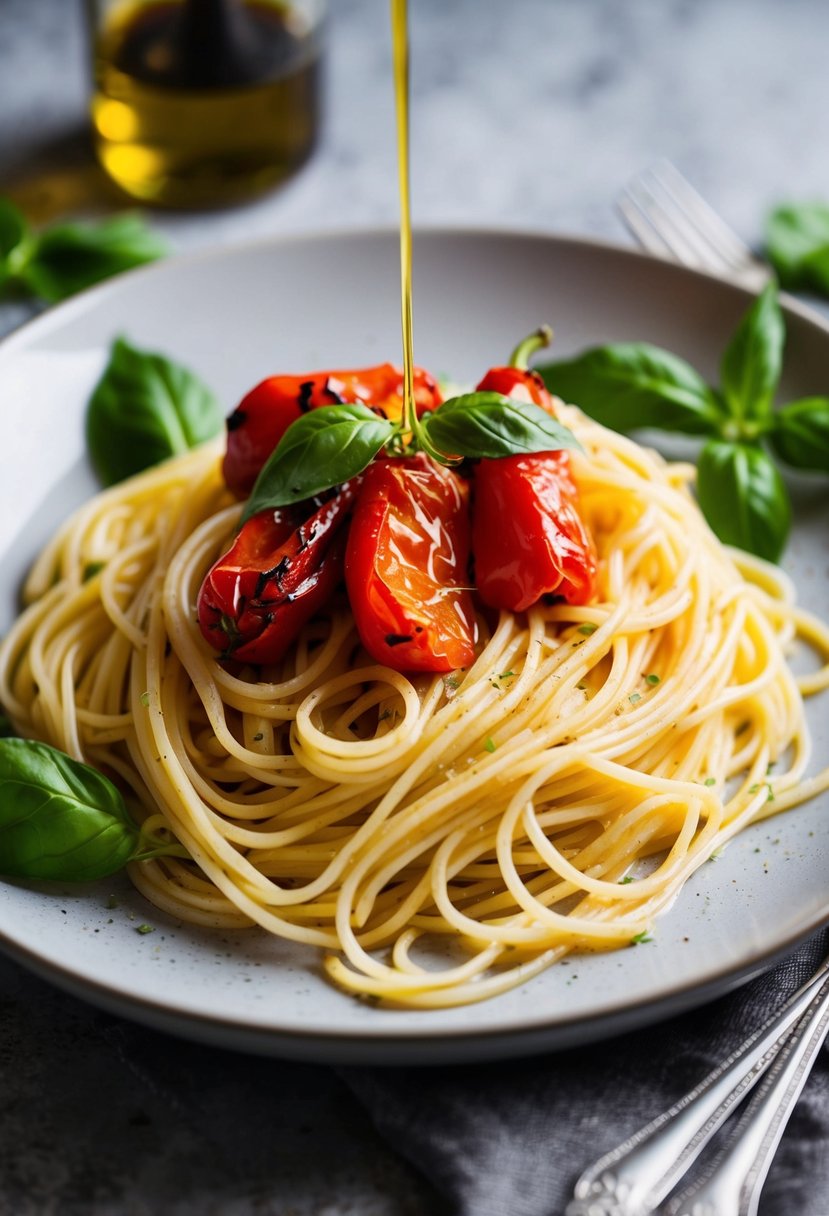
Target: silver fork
636 1176
669 218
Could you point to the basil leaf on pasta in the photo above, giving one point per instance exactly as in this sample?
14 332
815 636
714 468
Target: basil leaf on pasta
489 425
320 450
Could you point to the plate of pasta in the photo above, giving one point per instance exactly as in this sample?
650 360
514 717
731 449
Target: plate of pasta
370 771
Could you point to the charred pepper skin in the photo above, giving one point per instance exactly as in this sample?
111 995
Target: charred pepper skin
410 550
282 568
528 536
406 566
263 416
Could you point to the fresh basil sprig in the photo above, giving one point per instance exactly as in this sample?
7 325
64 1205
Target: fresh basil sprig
743 497
60 819
801 434
144 409
65 258
753 359
323 448
490 425
797 245
330 445
630 386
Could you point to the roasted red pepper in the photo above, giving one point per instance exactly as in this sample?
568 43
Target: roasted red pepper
282 568
262 417
528 536
406 566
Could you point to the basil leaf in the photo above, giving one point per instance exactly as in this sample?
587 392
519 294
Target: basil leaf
630 385
743 497
797 245
323 448
753 358
144 409
489 425
12 227
14 239
69 257
59 819
801 433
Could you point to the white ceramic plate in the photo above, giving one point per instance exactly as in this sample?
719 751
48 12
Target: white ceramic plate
236 315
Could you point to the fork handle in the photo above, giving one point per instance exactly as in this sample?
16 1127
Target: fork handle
732 1184
633 1178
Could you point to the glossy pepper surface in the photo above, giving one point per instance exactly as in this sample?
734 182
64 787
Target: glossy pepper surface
282 568
528 536
406 566
263 416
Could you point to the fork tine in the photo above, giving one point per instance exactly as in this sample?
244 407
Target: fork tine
657 208
668 217
641 227
702 215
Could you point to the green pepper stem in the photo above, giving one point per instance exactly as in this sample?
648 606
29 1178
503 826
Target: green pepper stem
527 347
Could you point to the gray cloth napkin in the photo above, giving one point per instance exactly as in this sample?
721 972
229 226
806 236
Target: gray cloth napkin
510 1139
100 1117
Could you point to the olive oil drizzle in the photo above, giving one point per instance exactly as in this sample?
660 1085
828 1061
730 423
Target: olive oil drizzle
400 50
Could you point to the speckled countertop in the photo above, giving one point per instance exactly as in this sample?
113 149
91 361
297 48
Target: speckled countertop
530 113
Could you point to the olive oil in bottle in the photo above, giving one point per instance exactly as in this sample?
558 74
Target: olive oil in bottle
205 102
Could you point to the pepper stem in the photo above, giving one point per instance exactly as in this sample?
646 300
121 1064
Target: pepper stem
527 347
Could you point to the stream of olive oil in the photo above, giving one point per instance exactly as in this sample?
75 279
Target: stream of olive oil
400 47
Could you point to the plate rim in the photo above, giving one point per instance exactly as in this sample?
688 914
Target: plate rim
53 315
532 1029
668 1004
